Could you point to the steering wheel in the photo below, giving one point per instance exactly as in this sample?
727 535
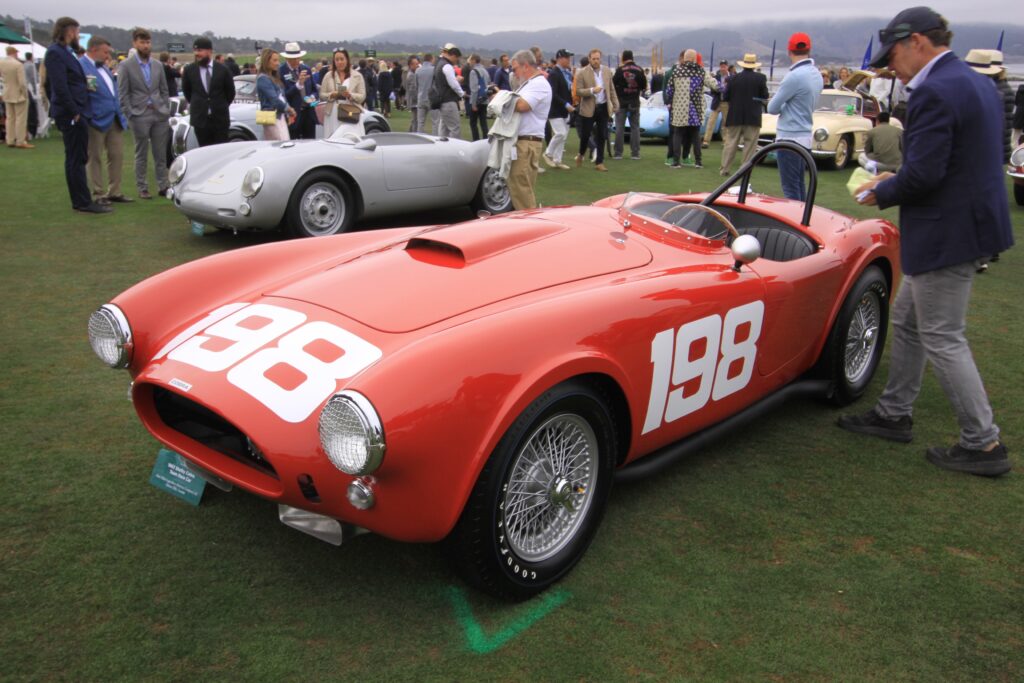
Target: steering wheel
696 217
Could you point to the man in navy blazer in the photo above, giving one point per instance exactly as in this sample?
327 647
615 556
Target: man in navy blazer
71 110
953 211
299 91
106 125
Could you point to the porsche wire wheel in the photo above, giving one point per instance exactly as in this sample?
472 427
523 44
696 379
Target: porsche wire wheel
842 157
551 487
492 194
854 347
539 499
321 205
862 336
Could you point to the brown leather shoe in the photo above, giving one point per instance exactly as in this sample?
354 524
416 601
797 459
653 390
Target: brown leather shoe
25 145
144 194
600 167
579 160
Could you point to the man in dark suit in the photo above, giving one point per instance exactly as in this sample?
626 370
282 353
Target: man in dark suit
953 210
210 90
745 94
560 80
68 90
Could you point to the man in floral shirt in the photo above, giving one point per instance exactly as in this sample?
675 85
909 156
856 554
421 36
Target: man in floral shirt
685 95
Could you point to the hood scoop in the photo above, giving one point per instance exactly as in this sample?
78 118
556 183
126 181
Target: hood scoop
472 242
449 271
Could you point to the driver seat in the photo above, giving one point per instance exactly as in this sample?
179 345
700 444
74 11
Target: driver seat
779 245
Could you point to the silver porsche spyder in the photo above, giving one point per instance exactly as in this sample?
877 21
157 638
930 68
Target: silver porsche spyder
321 187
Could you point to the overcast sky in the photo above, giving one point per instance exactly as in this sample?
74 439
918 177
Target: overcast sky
355 19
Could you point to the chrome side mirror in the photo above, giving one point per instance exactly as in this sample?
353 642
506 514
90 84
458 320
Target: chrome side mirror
745 249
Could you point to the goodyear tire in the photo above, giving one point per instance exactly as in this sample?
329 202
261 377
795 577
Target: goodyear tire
321 205
540 498
855 344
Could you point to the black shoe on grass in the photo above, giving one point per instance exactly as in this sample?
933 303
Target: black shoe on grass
959 459
893 429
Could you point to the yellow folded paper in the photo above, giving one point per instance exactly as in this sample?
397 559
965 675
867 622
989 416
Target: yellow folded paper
858 178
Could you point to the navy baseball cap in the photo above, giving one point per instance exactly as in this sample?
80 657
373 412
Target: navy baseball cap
563 53
202 43
907 22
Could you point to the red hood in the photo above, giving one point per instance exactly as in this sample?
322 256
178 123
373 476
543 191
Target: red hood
449 271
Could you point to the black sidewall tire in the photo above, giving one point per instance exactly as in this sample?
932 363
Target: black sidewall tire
475 545
845 392
238 136
1018 193
294 213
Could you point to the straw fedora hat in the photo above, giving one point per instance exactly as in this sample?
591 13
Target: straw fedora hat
981 61
749 61
292 51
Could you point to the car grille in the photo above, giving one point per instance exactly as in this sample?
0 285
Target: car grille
208 428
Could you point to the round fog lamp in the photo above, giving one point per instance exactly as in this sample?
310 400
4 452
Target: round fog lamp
351 434
252 182
360 495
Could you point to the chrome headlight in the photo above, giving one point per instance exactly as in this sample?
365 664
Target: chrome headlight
110 336
821 134
177 170
351 434
1017 158
252 182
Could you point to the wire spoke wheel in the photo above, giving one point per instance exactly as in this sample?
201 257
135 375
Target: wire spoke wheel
550 487
862 336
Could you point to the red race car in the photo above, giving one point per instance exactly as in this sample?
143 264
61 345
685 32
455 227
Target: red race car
483 383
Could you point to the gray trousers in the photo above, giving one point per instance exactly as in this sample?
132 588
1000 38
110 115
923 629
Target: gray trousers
929 317
427 119
633 112
414 117
150 130
450 124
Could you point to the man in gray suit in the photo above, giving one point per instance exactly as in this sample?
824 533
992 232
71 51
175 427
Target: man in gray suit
424 77
142 88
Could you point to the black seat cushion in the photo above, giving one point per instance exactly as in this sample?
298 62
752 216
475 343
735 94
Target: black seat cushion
778 244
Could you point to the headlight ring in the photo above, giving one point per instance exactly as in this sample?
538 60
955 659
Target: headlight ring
252 182
110 336
821 134
177 170
352 434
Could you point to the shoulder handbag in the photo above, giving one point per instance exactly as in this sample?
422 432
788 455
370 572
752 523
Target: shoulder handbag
349 113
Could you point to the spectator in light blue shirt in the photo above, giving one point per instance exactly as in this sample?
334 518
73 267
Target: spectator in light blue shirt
795 102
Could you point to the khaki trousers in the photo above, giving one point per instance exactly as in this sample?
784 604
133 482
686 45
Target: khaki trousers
709 130
112 142
522 176
733 136
17 122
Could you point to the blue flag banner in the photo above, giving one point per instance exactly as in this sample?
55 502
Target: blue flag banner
711 62
867 54
771 69
1000 45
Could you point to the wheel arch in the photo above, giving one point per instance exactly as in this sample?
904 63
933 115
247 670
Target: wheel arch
343 175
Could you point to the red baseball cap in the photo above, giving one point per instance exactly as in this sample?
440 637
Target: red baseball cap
799 42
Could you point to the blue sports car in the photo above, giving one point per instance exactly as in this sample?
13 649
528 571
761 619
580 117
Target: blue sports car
654 118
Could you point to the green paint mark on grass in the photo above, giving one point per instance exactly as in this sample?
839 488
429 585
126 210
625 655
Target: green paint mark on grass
481 643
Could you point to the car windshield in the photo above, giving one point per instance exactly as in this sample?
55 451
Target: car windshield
661 216
843 104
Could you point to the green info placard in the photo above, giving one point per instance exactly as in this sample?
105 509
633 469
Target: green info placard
170 474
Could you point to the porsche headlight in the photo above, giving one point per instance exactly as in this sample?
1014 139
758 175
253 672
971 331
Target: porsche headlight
110 336
177 170
1017 158
821 134
252 182
351 434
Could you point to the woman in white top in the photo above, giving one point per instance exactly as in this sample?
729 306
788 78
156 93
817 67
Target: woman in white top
342 84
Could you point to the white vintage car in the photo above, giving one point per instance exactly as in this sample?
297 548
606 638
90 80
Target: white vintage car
841 122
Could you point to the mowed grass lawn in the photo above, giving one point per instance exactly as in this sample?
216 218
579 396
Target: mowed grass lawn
791 551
